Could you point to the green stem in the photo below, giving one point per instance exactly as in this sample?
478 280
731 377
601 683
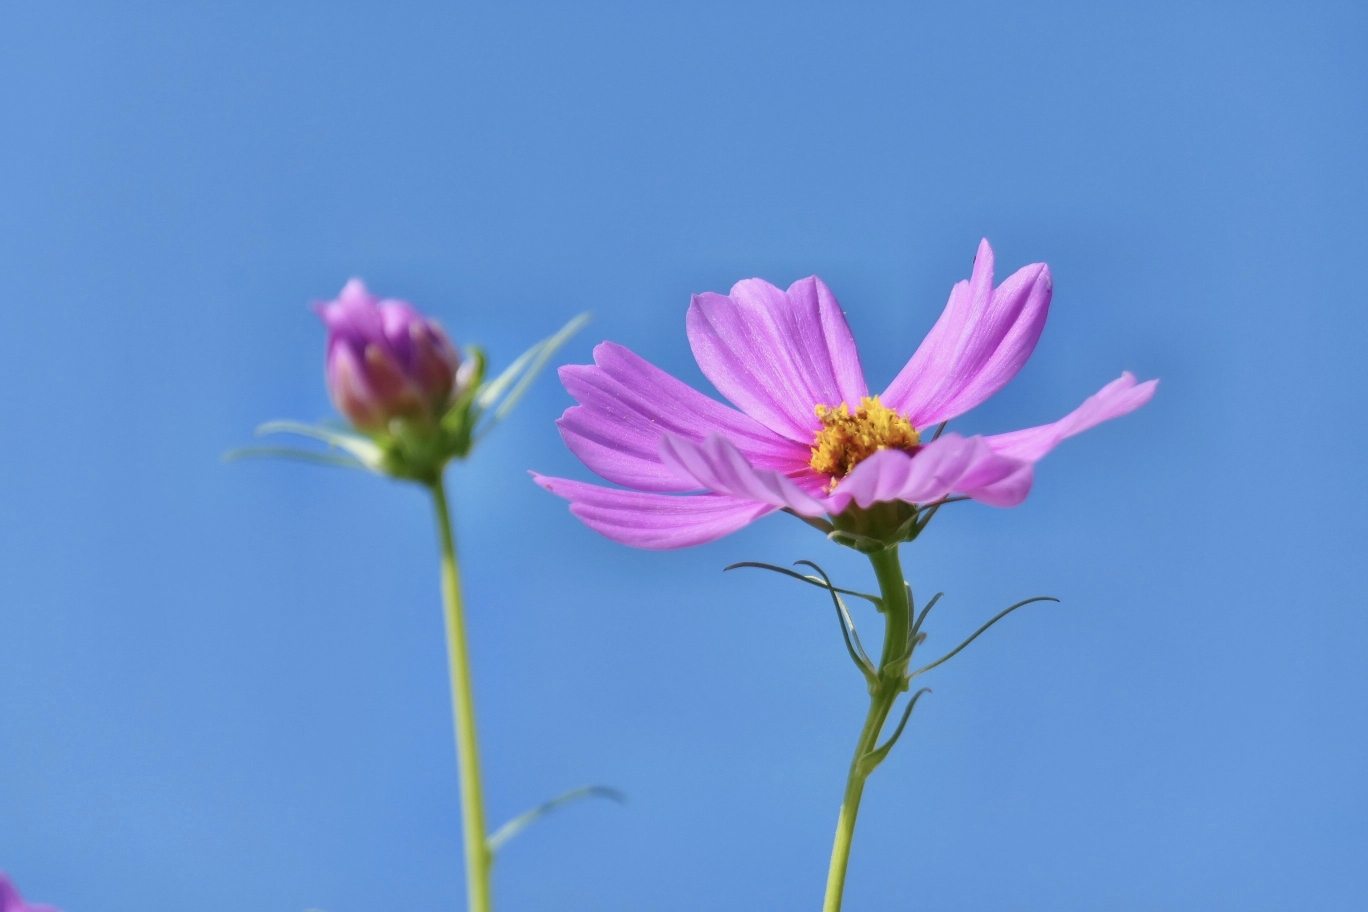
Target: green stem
891 681
477 854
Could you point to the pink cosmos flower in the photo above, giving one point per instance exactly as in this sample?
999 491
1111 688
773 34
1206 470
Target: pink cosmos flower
808 438
11 901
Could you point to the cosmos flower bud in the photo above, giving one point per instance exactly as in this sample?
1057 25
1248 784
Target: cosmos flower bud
387 361
414 401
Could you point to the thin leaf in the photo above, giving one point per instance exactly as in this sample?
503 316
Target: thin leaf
933 507
1000 615
876 756
925 611
331 459
848 631
877 602
540 354
922 518
491 391
364 450
515 826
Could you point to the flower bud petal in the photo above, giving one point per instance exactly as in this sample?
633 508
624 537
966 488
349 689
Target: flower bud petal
385 360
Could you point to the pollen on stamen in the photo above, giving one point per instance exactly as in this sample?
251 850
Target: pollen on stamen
847 439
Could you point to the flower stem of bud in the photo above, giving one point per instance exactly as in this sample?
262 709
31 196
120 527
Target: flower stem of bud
479 859
883 693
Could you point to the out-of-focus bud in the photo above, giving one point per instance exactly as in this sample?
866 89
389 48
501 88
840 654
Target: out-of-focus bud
415 403
386 360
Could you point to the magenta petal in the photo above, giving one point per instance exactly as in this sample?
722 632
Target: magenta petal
1009 491
949 465
777 355
720 467
980 342
627 404
1121 396
657 522
11 901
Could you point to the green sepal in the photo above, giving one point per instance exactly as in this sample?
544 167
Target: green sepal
457 421
862 543
878 527
884 525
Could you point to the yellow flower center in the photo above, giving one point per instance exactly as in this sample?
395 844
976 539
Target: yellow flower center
847 439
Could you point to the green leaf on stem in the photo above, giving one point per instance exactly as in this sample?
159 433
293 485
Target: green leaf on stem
925 611
848 632
975 635
509 387
820 584
876 756
365 451
287 453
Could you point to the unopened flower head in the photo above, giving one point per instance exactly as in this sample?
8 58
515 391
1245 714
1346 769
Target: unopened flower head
386 361
806 436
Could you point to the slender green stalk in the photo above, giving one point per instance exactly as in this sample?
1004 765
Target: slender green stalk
891 680
477 853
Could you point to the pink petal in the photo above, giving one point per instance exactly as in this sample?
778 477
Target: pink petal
720 467
628 404
949 465
656 522
777 355
1009 491
1121 396
11 901
980 342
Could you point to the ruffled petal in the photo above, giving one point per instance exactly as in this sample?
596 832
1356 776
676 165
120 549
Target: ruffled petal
949 465
980 342
1009 491
628 404
777 355
1122 396
656 522
720 467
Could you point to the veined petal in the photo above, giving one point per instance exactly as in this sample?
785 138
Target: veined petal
980 342
628 404
657 522
950 465
777 355
1122 396
720 467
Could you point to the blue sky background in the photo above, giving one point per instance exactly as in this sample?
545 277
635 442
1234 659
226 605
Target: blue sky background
223 686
